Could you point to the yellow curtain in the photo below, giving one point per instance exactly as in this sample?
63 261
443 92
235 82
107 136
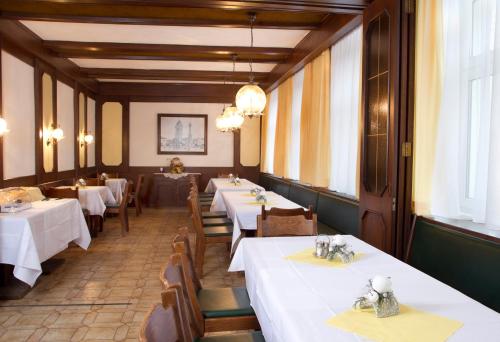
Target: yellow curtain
263 136
428 91
283 129
315 122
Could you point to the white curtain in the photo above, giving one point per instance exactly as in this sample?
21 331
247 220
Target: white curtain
294 160
466 180
271 129
344 112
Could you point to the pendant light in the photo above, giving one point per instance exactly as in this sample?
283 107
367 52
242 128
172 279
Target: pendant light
231 119
251 99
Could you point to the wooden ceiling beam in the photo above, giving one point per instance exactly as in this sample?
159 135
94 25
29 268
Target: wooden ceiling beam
175 13
336 27
69 49
222 92
172 75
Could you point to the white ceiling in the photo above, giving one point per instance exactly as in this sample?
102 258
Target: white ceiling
169 65
152 34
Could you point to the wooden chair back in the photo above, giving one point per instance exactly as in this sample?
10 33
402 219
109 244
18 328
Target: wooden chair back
125 197
182 245
175 276
61 193
92 181
167 322
138 186
287 222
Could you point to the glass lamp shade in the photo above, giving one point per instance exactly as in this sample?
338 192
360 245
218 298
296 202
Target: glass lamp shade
251 100
3 126
229 120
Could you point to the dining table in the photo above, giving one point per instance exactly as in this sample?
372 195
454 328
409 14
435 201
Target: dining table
219 185
298 297
94 198
117 187
242 209
31 236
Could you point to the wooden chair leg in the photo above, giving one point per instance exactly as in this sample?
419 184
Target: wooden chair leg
138 205
199 257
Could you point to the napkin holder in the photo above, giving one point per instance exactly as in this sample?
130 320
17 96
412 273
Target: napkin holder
380 297
322 245
255 191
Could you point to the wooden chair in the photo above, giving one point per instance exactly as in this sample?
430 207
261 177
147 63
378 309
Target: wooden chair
72 193
92 181
211 309
135 196
206 236
169 322
287 222
203 195
209 221
121 209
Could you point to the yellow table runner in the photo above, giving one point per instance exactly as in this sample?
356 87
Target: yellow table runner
306 257
268 204
410 325
246 194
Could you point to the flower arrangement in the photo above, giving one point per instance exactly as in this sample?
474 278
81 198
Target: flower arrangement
176 166
261 198
104 176
380 297
81 182
255 191
339 249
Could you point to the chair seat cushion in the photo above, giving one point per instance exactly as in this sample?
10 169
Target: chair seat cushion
204 195
204 202
210 222
218 231
254 336
225 302
215 214
113 205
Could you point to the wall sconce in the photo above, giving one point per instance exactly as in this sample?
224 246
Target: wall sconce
3 126
54 134
87 139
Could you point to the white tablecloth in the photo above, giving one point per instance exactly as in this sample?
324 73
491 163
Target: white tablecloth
243 210
292 300
218 185
117 187
95 198
29 237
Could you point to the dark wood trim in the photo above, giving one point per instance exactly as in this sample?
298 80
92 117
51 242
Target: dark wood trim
332 30
169 89
173 75
70 49
202 116
410 240
125 136
76 125
270 14
19 38
21 181
407 97
39 172
183 99
98 133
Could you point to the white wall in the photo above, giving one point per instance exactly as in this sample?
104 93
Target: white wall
18 94
91 130
143 135
66 119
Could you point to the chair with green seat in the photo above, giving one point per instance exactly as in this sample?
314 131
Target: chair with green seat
211 221
203 195
214 302
170 322
121 209
206 235
212 310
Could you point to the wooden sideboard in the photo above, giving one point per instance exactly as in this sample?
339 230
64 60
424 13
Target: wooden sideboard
169 190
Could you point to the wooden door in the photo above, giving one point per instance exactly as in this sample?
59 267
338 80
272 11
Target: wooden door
378 186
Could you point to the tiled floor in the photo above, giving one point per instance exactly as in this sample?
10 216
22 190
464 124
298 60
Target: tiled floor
104 293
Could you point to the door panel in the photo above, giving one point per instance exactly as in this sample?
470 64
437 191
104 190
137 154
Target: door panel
379 130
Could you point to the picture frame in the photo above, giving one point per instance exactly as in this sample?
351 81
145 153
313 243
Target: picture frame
182 134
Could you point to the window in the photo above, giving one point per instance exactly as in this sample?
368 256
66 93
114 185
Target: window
344 112
294 160
476 49
271 129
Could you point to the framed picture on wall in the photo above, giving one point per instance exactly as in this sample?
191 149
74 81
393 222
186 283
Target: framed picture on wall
182 133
